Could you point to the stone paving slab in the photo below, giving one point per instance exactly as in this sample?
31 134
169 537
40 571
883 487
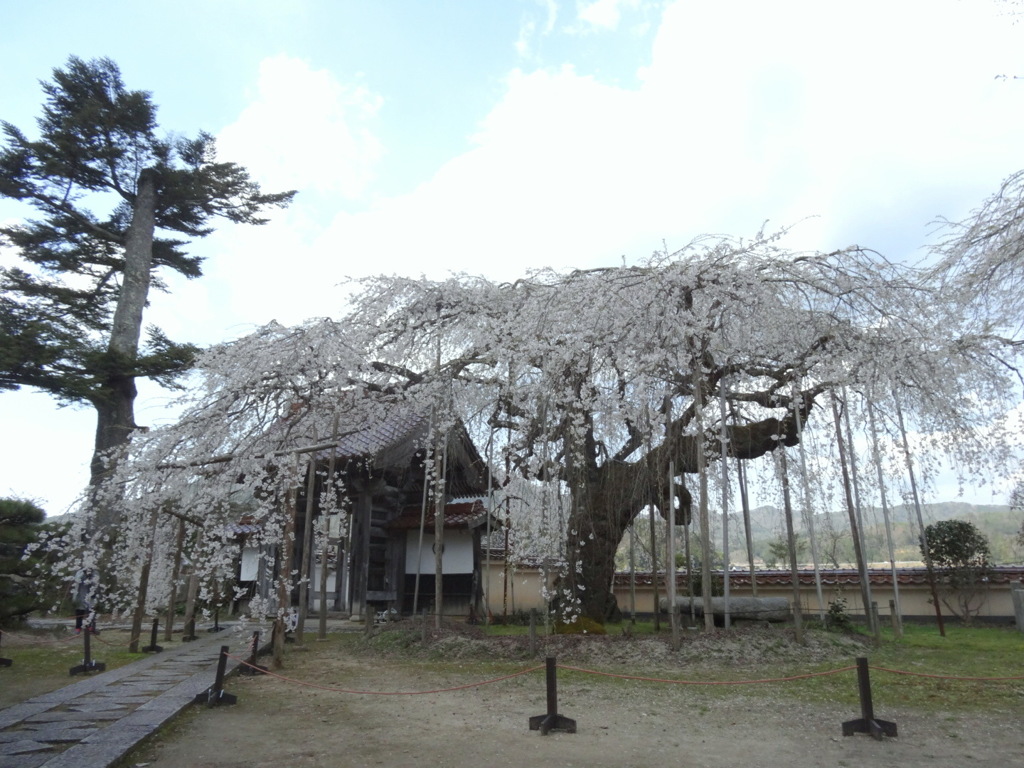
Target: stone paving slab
54 716
104 716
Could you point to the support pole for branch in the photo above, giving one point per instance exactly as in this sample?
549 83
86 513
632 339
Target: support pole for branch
895 608
189 632
794 570
727 622
654 570
855 484
284 582
172 601
307 551
670 568
808 510
632 572
862 568
741 476
140 600
328 493
920 521
705 518
439 500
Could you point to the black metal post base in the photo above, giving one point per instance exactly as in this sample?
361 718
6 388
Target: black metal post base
212 697
5 662
216 622
867 722
216 694
250 668
555 722
153 647
875 728
552 721
86 667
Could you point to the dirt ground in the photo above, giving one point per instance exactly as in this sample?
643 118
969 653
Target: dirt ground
619 722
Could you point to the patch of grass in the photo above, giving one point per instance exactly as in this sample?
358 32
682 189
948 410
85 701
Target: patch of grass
965 652
975 652
42 659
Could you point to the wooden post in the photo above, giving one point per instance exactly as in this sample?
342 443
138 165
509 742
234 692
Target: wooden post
172 600
439 499
1018 605
189 632
894 605
741 476
330 493
794 570
533 632
920 521
670 568
307 550
284 582
897 620
858 551
654 572
726 556
705 518
140 602
805 484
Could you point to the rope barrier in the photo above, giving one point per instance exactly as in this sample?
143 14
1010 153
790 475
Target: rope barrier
708 682
640 678
947 677
389 693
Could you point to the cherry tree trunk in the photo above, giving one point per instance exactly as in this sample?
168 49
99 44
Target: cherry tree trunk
615 492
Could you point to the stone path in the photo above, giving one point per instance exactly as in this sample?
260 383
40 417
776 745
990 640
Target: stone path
96 721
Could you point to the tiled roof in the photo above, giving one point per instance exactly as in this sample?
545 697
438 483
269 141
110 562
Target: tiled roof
1004 574
461 513
241 529
391 428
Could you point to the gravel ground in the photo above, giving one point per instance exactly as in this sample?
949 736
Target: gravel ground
325 722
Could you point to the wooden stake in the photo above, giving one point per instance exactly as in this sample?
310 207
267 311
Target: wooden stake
862 568
787 504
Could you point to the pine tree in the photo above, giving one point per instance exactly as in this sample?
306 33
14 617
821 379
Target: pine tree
71 312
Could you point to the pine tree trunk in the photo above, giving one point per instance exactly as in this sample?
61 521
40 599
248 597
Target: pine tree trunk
115 398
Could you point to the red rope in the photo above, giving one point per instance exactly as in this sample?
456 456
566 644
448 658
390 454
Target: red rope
384 693
708 682
944 677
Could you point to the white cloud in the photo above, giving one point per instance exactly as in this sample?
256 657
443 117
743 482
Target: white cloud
528 27
773 111
305 130
605 14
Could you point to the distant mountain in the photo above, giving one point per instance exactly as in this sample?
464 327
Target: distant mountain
997 522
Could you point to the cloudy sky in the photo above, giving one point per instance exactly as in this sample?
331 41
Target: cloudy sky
490 137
